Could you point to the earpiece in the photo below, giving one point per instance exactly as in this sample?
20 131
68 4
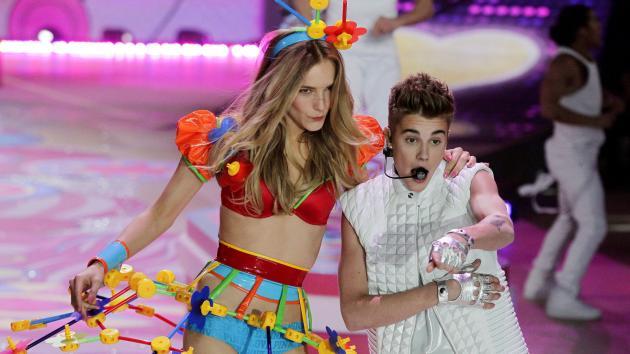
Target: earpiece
388 151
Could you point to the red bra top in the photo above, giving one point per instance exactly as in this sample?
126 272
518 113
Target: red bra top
314 207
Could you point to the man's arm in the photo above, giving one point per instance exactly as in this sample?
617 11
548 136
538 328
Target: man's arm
361 310
422 11
303 7
495 229
564 78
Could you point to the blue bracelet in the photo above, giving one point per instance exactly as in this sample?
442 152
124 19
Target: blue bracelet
112 256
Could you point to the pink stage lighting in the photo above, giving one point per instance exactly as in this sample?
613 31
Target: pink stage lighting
474 9
543 12
130 50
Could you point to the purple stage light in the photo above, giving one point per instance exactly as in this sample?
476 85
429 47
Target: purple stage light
502 10
543 12
406 6
529 11
515 11
488 10
474 9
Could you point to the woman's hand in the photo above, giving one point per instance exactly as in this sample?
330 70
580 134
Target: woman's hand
84 287
457 159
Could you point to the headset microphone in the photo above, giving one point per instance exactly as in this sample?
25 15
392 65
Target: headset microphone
418 173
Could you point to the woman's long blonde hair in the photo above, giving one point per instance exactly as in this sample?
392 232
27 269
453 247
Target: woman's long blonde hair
262 113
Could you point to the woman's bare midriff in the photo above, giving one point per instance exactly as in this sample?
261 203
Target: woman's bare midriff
284 237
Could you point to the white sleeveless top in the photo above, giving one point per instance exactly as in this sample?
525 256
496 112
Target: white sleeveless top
365 13
396 227
586 101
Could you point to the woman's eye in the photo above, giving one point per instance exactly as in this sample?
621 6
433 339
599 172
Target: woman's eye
305 90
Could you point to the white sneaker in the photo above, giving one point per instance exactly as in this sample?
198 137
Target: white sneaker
561 305
538 285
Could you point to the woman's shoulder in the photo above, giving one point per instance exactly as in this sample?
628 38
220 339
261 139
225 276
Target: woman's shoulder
196 133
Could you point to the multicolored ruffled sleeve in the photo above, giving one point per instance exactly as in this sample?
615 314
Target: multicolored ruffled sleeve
372 130
192 139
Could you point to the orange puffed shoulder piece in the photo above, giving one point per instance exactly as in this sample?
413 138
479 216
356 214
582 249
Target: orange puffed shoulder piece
372 130
192 140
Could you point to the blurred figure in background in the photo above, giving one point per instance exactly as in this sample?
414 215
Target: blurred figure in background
373 67
572 97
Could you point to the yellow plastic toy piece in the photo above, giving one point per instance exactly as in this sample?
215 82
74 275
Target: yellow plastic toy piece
22 325
70 347
70 343
218 310
112 278
145 310
294 335
342 343
318 4
233 168
253 320
189 351
205 307
174 287
91 321
126 272
161 345
183 296
109 336
324 347
145 288
342 42
165 276
11 345
268 320
37 326
117 301
314 337
316 29
135 279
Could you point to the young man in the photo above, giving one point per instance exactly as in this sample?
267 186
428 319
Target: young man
419 263
572 97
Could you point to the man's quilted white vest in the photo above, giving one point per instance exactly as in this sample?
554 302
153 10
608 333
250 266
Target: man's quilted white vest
396 227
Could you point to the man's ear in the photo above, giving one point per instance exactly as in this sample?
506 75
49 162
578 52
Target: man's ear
388 136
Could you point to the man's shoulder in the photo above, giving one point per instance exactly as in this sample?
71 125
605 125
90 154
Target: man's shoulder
366 190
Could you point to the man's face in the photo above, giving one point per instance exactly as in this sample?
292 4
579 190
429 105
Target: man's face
418 142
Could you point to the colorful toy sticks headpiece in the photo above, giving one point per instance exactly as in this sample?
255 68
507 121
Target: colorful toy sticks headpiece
342 35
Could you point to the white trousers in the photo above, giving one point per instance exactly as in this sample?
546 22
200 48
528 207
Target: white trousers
581 207
371 78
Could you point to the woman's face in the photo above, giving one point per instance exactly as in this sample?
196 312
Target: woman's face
310 107
418 142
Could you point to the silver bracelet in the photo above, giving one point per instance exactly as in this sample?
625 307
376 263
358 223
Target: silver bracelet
461 232
442 291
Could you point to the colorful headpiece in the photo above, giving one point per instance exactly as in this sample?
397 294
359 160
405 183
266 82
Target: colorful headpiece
342 35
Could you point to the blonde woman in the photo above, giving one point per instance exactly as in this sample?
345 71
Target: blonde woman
291 148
